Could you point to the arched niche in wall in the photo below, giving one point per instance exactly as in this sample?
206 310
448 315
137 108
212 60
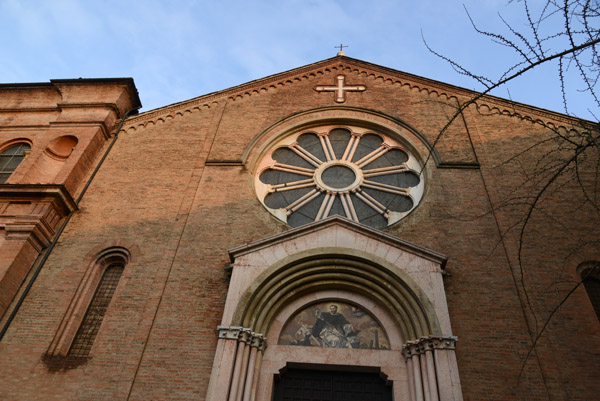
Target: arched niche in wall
336 262
49 164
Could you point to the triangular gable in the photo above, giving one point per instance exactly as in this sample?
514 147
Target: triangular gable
331 225
343 64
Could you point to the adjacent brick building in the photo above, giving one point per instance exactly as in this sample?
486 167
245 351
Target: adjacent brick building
338 223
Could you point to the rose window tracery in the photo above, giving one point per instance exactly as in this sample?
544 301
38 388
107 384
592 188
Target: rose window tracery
354 172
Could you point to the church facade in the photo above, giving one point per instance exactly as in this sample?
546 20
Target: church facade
338 231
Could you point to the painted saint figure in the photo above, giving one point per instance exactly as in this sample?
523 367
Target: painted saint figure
334 325
332 330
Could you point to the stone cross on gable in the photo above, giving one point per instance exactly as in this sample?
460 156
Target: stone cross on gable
340 94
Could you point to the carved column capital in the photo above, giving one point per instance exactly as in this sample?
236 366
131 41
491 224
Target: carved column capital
229 333
244 335
259 342
443 342
429 343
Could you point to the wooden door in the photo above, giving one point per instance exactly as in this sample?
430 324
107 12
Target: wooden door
323 385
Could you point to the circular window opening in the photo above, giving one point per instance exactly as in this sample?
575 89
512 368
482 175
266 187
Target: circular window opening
354 172
338 177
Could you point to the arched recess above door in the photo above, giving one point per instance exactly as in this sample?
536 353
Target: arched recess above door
337 268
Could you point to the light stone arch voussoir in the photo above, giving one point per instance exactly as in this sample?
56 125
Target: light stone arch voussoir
337 268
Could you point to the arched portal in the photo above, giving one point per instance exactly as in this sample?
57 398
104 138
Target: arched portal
397 283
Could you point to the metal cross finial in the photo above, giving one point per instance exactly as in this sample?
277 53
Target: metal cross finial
341 46
341 52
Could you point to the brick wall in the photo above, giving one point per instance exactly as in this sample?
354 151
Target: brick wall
177 193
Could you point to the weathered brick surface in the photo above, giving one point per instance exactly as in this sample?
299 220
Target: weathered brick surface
178 215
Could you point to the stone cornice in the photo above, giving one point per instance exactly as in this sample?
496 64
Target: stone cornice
529 113
102 105
31 110
60 124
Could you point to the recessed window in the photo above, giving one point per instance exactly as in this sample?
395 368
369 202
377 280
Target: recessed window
84 339
590 276
10 159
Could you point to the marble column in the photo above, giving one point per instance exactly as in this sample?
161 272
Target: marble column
432 362
237 363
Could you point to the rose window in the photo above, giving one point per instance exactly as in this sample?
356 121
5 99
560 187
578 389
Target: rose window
354 172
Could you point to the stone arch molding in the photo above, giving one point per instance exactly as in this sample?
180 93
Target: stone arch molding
415 141
338 260
341 268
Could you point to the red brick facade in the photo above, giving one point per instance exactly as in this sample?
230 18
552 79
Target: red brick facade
176 192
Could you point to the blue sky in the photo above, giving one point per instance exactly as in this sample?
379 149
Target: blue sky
176 50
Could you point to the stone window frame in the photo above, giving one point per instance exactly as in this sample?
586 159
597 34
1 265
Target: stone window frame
60 345
309 177
12 143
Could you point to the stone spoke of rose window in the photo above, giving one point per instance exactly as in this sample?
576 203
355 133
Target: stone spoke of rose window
325 206
386 188
293 169
349 207
289 186
306 155
386 170
327 148
351 148
371 157
303 200
373 203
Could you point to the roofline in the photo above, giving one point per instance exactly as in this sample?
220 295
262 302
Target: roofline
128 81
433 82
240 86
469 92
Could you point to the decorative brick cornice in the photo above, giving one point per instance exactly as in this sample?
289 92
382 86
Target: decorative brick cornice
428 343
524 112
244 335
338 65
